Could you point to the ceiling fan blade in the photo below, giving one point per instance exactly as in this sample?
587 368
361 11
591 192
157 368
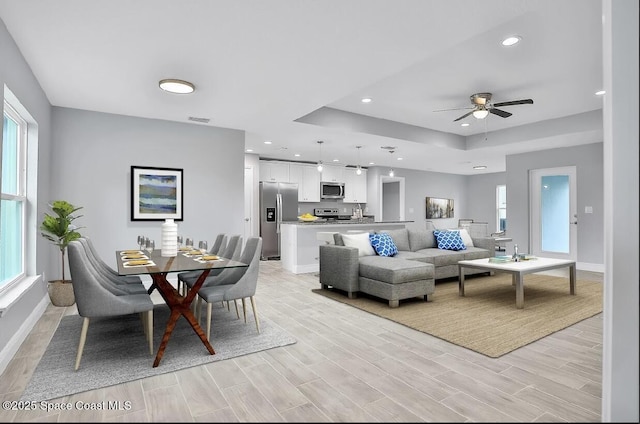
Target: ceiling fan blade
514 102
457 108
499 112
463 116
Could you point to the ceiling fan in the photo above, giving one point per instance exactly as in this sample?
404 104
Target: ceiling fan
482 106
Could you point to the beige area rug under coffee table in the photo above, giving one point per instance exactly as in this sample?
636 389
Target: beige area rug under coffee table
486 319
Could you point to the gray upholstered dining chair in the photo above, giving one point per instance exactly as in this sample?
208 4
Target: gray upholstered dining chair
232 251
235 283
113 282
219 245
106 269
94 300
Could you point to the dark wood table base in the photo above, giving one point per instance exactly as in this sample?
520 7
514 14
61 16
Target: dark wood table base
180 306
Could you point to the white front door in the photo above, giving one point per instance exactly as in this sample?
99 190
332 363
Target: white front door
554 222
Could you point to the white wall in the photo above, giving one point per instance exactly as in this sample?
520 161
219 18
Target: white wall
422 184
588 160
253 161
620 370
92 161
481 198
17 321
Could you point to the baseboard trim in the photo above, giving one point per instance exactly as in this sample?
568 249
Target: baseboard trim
12 346
585 266
305 269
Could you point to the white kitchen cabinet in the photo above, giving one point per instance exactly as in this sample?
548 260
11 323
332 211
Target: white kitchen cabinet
355 186
274 171
333 173
308 179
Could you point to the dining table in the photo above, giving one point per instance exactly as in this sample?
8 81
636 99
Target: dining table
152 263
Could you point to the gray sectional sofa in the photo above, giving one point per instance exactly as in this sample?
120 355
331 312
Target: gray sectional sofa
410 273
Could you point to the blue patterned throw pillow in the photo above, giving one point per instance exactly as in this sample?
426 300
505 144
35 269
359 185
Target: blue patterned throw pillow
449 240
383 244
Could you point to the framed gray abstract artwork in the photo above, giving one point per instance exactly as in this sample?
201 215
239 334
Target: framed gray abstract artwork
439 208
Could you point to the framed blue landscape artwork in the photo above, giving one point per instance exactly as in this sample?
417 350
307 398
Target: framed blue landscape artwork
156 193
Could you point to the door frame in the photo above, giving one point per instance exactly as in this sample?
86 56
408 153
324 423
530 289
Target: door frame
249 213
535 238
386 179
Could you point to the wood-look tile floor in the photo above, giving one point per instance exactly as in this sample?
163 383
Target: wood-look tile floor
347 366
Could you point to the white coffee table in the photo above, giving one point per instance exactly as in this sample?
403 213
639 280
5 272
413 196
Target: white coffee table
518 270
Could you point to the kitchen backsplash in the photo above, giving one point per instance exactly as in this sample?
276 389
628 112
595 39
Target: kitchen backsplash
343 208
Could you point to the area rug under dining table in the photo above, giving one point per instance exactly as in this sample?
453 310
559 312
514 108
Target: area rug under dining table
116 350
486 319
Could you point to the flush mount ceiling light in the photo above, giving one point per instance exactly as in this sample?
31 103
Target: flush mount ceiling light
177 86
466 124
600 93
319 167
511 41
480 167
480 113
366 100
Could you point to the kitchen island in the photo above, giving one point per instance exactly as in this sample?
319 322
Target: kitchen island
299 240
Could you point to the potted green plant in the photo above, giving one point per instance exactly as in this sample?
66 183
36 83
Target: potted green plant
58 229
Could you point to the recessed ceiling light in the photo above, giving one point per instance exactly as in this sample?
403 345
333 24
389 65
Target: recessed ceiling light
176 86
372 163
297 155
510 41
336 160
249 150
600 93
398 158
480 167
466 124
366 100
267 142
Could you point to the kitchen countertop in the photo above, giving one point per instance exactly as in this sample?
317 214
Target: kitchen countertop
343 222
300 241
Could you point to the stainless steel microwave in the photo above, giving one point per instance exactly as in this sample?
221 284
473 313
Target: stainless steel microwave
331 190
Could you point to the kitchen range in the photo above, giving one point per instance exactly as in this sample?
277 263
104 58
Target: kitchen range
330 214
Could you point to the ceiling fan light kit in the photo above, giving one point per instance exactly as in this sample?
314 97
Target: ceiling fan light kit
480 113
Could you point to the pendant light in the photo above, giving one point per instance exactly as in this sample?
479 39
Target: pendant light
391 171
358 168
320 160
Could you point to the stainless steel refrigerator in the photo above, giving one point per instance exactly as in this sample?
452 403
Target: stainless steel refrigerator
278 203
